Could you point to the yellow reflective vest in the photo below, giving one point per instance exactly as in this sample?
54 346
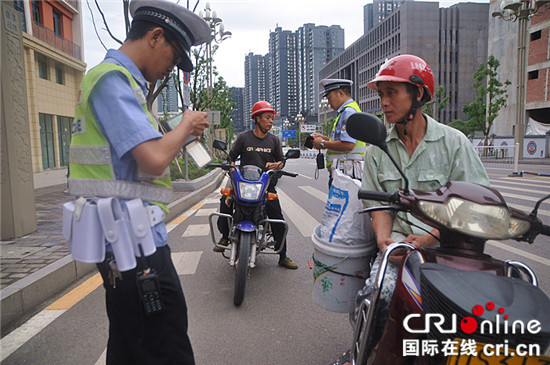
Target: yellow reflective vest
358 151
91 172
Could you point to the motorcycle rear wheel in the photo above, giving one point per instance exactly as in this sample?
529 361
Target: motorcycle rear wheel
241 268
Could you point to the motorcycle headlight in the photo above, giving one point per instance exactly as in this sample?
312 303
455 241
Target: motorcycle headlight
249 191
483 221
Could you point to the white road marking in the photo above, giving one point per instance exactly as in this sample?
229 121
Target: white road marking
307 177
28 330
528 209
297 215
517 251
542 192
186 263
205 212
197 230
102 359
321 195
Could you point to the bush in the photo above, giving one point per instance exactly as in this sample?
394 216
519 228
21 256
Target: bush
193 172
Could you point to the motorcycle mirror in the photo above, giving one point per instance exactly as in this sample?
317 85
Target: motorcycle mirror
219 144
295 153
367 128
370 129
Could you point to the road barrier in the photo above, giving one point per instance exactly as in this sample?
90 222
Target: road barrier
500 157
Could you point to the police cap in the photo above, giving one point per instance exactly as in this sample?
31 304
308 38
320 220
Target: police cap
334 84
185 27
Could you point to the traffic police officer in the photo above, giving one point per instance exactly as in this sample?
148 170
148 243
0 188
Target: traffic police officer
343 152
117 151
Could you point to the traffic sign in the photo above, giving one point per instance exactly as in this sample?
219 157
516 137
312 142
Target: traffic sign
308 128
289 133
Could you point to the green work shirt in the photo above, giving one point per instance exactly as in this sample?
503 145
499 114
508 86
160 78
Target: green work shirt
443 155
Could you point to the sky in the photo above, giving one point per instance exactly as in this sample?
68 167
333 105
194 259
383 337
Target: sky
249 21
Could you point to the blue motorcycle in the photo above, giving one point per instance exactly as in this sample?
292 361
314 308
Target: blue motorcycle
250 229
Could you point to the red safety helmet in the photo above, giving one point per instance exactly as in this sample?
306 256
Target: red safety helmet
406 68
260 107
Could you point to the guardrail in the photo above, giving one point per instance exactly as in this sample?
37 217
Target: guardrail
499 157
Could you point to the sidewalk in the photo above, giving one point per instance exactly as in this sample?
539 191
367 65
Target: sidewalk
39 265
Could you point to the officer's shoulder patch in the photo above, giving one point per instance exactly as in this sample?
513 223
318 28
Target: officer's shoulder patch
139 95
79 126
79 97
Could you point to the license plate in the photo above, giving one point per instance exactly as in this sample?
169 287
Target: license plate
483 359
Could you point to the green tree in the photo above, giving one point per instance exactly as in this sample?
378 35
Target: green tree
438 102
490 99
327 125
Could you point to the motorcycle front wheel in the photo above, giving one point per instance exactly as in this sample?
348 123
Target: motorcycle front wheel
241 268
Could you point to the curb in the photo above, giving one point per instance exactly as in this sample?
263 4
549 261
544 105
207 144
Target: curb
23 296
210 181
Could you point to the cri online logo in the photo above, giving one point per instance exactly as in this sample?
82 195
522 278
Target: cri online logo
469 325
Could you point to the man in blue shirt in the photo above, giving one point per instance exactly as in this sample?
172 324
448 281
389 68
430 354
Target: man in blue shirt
160 37
343 152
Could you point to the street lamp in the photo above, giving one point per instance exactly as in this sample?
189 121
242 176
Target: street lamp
522 11
217 34
324 107
300 121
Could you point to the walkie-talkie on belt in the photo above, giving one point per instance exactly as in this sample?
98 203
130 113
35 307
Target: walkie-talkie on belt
149 287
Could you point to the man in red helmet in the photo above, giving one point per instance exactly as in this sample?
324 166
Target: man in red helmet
429 153
260 148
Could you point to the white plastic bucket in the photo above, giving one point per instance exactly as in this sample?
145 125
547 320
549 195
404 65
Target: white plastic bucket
339 271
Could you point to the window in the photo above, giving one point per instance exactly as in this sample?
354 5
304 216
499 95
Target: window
46 140
57 23
42 63
59 77
533 75
36 12
536 35
64 125
18 5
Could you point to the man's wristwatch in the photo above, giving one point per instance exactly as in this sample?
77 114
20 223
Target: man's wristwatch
322 144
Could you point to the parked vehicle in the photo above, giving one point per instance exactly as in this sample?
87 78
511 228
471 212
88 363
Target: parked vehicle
250 232
455 292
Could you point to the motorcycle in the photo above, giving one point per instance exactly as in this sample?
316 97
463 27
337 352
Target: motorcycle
250 229
454 293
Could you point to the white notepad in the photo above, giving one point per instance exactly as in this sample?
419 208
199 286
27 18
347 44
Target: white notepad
198 153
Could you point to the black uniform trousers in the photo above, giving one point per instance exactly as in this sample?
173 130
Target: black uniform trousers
137 338
273 211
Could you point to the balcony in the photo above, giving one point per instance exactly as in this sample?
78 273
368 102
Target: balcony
62 44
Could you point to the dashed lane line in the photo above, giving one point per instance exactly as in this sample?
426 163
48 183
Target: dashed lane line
29 329
177 221
186 263
298 215
517 251
194 230
321 195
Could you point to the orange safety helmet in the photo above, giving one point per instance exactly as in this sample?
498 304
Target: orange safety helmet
406 68
260 107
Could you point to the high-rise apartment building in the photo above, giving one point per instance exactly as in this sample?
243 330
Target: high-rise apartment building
294 61
238 114
316 45
283 92
256 83
378 10
452 40
168 98
52 41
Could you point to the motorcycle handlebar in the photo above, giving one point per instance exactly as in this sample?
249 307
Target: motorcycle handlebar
376 195
223 166
291 174
545 230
